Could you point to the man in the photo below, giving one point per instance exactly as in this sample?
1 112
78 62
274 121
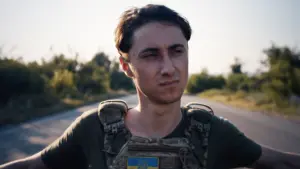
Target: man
153 44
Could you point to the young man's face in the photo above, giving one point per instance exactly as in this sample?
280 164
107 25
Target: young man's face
159 62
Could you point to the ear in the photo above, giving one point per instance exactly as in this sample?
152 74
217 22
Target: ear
125 67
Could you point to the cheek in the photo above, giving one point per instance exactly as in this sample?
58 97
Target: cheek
145 74
183 72
182 64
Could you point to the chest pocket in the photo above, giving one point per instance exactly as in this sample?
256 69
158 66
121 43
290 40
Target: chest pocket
147 153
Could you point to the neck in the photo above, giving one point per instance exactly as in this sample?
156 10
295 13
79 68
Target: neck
149 119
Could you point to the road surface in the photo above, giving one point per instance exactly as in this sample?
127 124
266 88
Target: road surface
28 138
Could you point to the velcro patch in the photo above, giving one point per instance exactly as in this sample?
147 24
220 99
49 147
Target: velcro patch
142 163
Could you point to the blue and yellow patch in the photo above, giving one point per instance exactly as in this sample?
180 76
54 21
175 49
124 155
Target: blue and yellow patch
142 163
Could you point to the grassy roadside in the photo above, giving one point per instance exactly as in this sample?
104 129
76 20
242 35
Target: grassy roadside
251 101
15 115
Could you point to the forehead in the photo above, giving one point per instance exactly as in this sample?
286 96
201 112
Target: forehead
157 35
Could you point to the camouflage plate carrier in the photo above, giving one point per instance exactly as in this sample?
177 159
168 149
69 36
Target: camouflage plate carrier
125 151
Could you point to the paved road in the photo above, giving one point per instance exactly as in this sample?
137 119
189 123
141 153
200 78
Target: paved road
26 139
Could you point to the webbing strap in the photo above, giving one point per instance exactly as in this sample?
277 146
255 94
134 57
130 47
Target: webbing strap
111 115
199 130
199 141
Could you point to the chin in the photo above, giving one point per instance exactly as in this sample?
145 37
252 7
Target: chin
167 98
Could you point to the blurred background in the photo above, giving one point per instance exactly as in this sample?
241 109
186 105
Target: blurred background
63 52
59 55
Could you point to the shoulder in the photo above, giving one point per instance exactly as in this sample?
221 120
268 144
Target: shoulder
204 114
84 125
108 111
87 117
199 112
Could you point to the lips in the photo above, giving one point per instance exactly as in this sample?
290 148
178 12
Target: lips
166 83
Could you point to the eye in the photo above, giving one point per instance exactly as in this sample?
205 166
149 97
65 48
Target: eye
178 50
150 55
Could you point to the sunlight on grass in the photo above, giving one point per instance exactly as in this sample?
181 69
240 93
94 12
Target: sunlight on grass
73 101
250 101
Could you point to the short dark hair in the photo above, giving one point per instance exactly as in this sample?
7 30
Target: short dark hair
135 17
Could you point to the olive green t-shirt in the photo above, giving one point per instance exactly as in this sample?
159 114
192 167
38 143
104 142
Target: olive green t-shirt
81 145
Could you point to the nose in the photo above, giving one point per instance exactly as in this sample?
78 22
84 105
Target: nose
168 68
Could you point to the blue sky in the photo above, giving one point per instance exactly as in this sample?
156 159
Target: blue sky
222 29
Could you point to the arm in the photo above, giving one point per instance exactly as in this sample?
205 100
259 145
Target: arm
241 151
64 152
32 162
274 159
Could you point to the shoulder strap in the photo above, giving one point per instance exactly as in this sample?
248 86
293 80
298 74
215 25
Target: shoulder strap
198 130
111 114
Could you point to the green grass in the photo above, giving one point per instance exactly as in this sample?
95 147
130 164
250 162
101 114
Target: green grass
15 114
250 101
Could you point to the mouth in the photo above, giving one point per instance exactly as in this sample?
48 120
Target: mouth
168 83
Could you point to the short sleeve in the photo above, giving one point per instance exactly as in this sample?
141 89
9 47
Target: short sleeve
66 151
240 151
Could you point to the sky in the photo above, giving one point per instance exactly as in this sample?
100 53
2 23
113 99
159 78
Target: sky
222 29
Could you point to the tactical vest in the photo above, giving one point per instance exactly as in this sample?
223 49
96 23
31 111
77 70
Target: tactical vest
125 151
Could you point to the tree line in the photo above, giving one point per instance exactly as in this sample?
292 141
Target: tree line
36 84
279 82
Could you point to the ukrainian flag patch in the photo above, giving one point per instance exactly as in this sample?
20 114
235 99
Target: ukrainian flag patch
142 163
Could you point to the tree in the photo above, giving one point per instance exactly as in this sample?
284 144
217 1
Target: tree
101 59
237 80
283 65
236 68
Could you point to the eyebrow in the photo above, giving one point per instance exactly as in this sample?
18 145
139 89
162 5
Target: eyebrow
176 45
157 49
149 50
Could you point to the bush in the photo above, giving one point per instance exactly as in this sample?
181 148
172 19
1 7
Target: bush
295 79
274 92
238 82
93 80
118 80
240 94
63 83
200 82
17 79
